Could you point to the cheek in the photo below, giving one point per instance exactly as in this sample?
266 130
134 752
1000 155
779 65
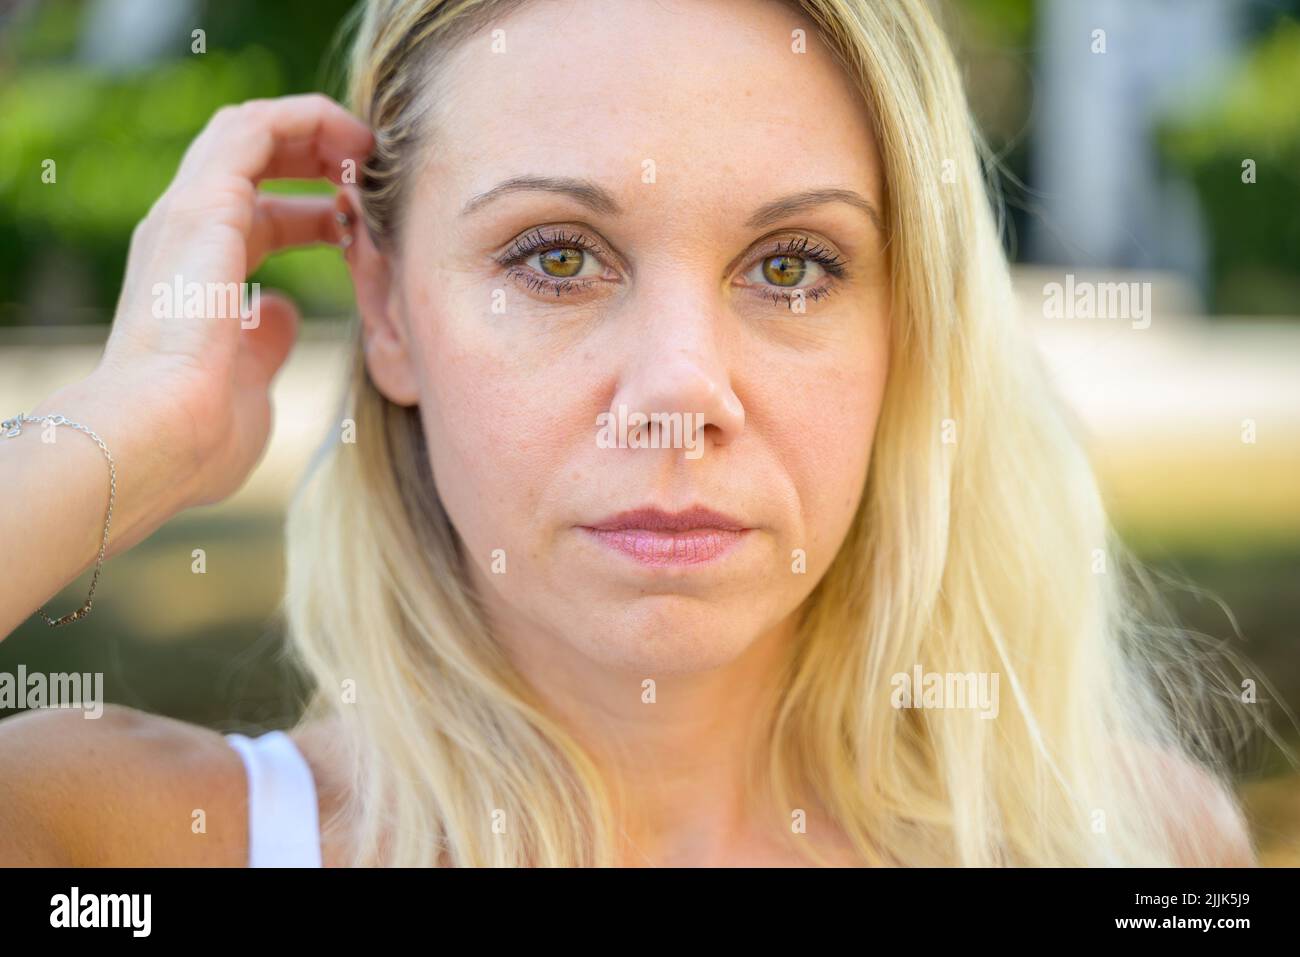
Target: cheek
821 428
836 443
491 416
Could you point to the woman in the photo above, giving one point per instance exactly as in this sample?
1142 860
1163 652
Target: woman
544 631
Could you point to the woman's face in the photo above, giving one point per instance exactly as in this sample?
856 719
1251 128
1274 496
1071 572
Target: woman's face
703 194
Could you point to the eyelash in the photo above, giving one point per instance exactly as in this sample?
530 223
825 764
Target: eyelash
833 265
537 241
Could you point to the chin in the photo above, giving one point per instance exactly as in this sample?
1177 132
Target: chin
659 635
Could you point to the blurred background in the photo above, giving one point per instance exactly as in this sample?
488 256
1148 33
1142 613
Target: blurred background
1135 141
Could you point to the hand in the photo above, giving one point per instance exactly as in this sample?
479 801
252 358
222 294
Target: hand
200 385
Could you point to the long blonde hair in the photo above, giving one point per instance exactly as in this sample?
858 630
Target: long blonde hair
987 554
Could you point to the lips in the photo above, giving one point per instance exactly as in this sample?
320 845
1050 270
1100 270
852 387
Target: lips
657 520
654 537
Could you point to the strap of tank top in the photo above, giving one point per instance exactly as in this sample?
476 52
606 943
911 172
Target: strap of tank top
283 825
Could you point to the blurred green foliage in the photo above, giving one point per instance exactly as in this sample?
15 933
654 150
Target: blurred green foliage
1012 21
1254 229
117 137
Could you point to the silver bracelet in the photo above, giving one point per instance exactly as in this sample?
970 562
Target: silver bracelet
10 428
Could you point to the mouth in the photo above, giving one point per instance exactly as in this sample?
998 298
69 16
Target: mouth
654 537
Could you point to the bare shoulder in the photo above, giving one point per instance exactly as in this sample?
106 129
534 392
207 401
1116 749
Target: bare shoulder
125 789
319 739
320 742
1206 819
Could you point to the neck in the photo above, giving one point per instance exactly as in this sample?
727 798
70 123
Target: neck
683 754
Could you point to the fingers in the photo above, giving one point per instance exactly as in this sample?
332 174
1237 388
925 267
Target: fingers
282 221
263 348
306 136
212 227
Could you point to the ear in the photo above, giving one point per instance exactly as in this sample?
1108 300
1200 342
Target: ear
390 358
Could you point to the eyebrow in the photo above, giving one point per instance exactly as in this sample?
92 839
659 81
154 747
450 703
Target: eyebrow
594 197
600 200
779 209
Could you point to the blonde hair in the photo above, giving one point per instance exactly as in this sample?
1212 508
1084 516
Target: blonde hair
973 556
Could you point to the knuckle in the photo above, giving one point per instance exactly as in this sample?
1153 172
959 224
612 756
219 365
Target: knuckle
148 224
138 233
235 113
254 109
224 114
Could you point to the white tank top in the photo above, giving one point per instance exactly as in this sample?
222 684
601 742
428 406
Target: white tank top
283 828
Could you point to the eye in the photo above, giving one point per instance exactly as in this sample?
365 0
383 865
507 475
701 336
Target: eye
565 262
550 260
795 269
786 271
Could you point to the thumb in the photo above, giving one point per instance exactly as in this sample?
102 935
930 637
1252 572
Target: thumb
267 336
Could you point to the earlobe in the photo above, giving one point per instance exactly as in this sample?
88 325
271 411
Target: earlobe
390 358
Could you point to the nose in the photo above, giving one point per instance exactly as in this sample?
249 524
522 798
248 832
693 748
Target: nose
677 362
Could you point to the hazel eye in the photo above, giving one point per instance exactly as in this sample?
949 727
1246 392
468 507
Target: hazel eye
549 260
565 262
785 271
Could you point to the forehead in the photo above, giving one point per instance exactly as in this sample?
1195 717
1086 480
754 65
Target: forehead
711 92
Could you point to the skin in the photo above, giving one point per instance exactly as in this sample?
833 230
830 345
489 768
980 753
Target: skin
678 318
677 321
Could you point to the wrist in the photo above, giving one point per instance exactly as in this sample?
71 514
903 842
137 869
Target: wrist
156 471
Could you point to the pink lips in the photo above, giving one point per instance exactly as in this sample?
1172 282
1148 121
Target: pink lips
655 537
